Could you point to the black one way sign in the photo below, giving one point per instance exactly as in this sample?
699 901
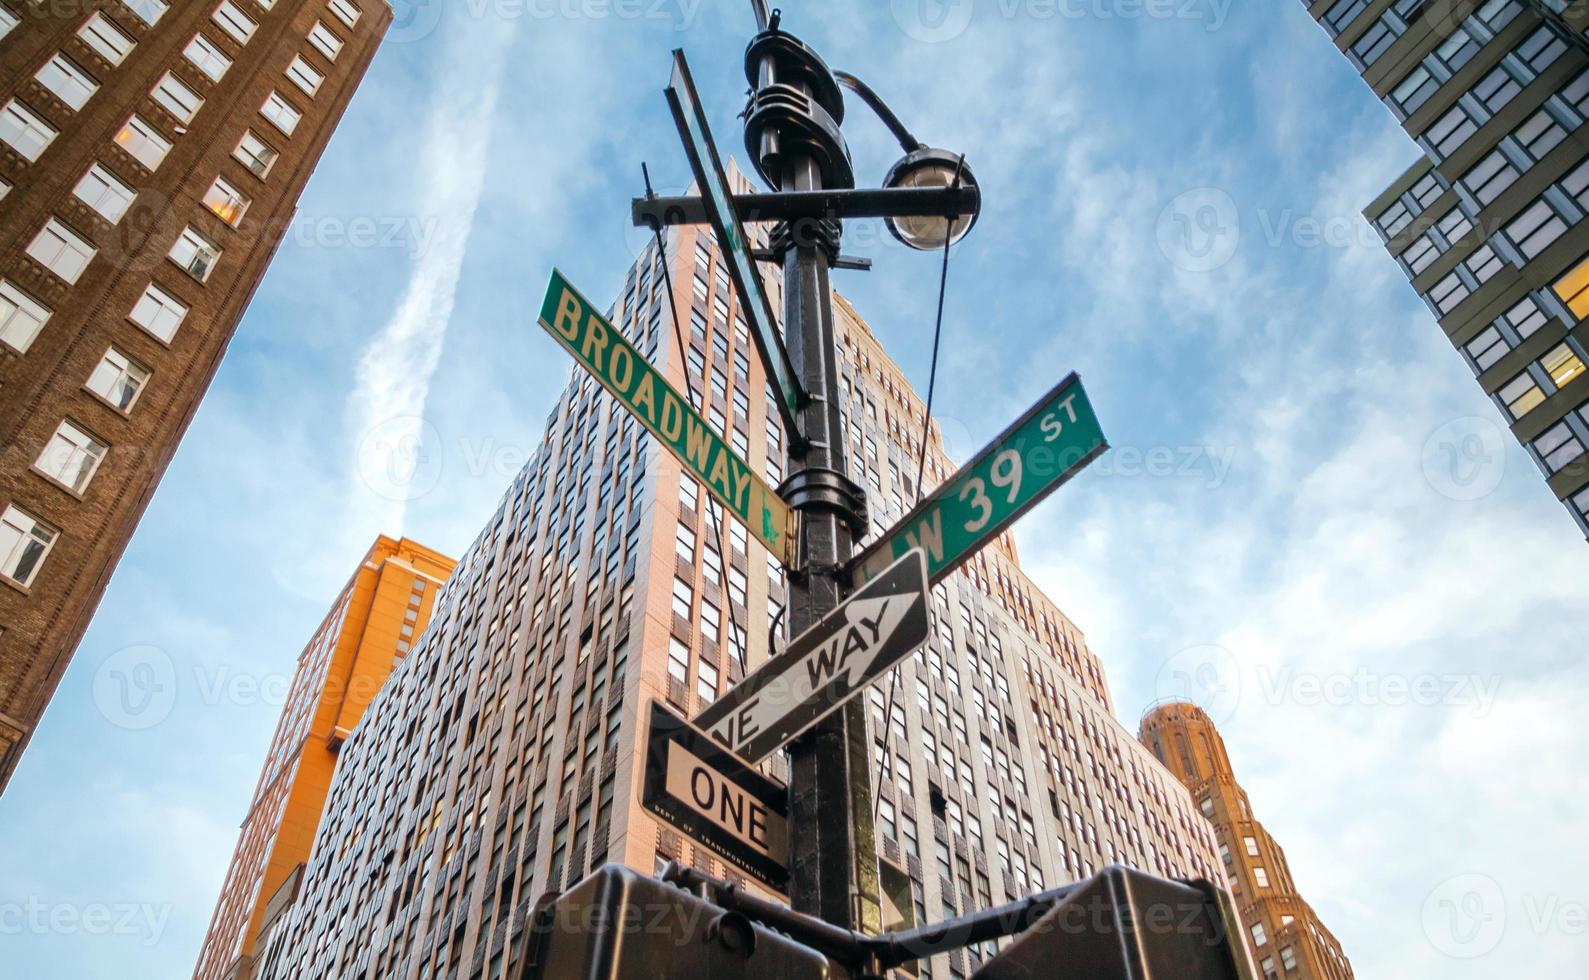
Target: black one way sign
876 628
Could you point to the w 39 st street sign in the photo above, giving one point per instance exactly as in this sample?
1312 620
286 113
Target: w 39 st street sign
1048 445
603 351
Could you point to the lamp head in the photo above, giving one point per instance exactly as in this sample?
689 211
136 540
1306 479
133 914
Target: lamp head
929 167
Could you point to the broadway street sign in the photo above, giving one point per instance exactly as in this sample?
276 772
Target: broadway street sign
1048 445
825 666
642 389
719 201
698 787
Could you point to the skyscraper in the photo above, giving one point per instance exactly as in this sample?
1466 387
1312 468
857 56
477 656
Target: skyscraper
505 755
1285 935
1490 225
151 156
370 629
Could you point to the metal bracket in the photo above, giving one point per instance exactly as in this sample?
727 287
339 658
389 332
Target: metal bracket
829 491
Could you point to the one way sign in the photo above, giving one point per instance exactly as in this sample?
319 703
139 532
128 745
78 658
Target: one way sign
876 628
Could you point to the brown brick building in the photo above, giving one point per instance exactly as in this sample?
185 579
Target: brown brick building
370 628
1286 938
151 156
503 757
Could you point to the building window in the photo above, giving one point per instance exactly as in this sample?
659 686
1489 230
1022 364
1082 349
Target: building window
281 113
1447 293
255 154
100 190
119 380
157 312
149 11
1288 958
324 41
24 131
1581 504
1343 13
1534 229
8 20
1562 364
1521 395
345 11
196 254
1539 134
226 201
682 597
1489 177
72 457
1260 936
678 660
1573 289
24 544
206 57
234 22
68 82
21 317
1261 876
1541 50
1450 131
176 98
62 251
305 77
145 144
1414 90
1558 447
1526 317
107 40
1485 349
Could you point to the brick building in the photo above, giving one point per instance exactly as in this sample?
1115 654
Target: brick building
370 629
1285 936
502 760
151 156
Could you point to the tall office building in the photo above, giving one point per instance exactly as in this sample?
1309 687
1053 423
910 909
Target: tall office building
1285 935
1490 225
504 757
151 156
369 630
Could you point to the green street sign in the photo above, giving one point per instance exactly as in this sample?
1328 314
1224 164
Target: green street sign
1048 445
603 351
690 118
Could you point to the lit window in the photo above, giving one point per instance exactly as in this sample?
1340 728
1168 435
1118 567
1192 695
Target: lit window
177 98
206 57
106 38
1521 395
72 457
24 543
118 379
21 317
70 83
157 312
325 41
148 11
100 190
1562 364
24 131
304 76
62 251
234 22
281 113
145 144
1573 289
255 154
226 201
345 11
196 254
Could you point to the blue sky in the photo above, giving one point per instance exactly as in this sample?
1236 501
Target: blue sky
1311 511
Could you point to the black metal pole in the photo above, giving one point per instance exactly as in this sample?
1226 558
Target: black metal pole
833 856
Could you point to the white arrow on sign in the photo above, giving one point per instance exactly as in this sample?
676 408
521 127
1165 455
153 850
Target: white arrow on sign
826 665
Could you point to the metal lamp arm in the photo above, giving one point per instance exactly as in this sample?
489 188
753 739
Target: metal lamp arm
906 140
763 19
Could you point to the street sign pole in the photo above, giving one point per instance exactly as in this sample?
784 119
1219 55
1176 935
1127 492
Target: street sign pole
832 850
